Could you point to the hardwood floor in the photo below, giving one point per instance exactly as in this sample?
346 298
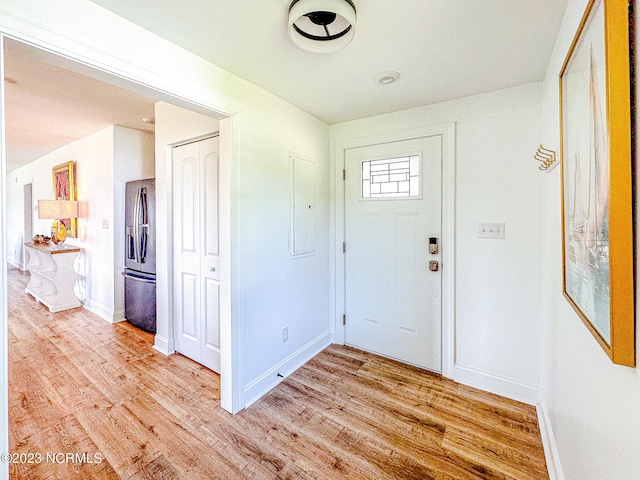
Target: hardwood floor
79 385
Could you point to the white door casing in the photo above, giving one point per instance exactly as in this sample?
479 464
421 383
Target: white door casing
196 255
393 300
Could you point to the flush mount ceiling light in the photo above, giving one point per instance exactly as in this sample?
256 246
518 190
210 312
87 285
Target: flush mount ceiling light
385 78
322 26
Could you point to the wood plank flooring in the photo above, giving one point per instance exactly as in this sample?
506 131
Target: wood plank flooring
79 385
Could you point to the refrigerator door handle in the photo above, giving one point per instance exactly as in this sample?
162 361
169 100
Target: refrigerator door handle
145 213
138 279
143 245
130 244
136 225
144 225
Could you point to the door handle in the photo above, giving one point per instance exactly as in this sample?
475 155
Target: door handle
138 279
144 225
434 265
136 226
131 254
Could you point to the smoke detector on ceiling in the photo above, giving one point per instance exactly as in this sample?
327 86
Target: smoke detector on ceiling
322 26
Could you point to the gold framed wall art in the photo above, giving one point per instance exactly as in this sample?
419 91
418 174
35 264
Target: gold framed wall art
597 208
64 188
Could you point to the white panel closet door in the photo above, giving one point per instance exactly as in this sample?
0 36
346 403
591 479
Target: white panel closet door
196 256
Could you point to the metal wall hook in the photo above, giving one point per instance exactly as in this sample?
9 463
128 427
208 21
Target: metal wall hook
546 157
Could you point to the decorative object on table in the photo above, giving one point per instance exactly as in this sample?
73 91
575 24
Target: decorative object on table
598 258
64 188
57 210
41 239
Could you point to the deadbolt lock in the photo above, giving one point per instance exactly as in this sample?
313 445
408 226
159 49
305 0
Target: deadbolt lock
433 245
434 265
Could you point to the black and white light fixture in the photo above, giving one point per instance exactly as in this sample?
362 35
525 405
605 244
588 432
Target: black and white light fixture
322 26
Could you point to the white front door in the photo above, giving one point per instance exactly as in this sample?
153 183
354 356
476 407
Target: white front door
393 197
196 256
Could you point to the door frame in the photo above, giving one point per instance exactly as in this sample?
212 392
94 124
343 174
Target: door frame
125 72
338 290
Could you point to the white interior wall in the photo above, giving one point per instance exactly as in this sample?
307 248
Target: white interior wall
133 159
497 299
590 404
274 290
93 156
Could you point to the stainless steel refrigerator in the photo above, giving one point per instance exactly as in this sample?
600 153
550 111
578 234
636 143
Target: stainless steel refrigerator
140 254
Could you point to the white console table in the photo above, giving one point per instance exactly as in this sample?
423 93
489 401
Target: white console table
53 277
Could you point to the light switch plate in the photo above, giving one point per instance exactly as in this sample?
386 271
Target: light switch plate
490 230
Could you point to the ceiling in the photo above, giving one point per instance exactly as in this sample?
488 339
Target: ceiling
443 50
48 106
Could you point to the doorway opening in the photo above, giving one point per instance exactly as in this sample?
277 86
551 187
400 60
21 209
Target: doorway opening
119 88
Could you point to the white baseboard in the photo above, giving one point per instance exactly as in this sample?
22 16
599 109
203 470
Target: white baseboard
100 310
118 316
163 345
15 263
549 442
265 382
103 312
490 382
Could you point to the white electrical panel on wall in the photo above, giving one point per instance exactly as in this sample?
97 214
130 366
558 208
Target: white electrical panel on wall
303 193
